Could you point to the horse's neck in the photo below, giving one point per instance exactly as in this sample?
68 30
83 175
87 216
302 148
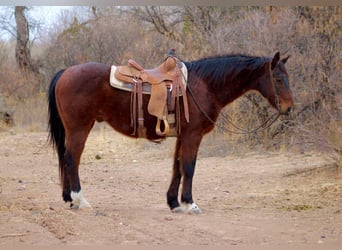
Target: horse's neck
233 89
225 87
213 99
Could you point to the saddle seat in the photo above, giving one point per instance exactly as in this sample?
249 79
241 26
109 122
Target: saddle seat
134 71
164 72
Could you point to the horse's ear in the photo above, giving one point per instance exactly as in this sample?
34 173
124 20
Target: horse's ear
275 60
284 60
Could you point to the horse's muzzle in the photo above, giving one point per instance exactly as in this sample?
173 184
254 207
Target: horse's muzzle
287 111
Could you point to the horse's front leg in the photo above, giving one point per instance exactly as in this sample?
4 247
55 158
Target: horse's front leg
184 167
188 169
172 193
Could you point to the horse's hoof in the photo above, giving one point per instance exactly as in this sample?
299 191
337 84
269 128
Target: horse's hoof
78 201
178 210
74 206
192 208
80 205
187 208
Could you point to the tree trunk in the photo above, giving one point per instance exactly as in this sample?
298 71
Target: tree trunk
22 49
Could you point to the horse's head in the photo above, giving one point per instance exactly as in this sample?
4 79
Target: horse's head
274 85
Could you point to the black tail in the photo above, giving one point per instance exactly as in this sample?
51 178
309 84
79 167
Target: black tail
56 128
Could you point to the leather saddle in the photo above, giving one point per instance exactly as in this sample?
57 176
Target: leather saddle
164 72
167 86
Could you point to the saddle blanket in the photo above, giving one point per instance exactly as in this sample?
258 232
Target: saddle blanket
114 82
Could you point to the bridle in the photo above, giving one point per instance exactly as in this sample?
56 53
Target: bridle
227 119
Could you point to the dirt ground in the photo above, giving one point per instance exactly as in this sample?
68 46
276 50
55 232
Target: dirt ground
269 199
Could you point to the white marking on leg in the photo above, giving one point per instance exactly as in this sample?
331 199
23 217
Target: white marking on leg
192 208
178 209
78 200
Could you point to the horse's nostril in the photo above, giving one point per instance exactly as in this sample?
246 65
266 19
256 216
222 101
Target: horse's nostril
289 110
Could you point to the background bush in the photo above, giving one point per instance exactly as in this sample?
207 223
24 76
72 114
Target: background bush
112 35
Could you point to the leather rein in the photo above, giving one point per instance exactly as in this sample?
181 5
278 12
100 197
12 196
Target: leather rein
260 128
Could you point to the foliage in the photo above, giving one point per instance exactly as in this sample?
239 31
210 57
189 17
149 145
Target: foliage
112 35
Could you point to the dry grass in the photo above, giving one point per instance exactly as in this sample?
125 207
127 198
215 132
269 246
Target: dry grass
31 114
314 70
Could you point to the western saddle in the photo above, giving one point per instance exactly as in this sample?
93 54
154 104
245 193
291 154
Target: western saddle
167 86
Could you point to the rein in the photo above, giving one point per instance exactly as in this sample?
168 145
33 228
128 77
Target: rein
260 128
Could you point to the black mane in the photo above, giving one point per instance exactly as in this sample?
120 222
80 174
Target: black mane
218 69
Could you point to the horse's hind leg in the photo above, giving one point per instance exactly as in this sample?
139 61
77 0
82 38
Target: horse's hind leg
70 170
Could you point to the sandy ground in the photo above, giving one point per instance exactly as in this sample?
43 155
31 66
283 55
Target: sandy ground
269 199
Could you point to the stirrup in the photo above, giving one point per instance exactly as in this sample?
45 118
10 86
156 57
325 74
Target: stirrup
166 129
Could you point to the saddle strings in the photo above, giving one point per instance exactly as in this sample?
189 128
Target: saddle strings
134 107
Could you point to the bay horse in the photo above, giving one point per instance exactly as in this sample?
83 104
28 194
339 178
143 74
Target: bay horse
81 94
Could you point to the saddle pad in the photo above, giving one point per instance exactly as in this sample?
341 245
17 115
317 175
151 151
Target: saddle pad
114 82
